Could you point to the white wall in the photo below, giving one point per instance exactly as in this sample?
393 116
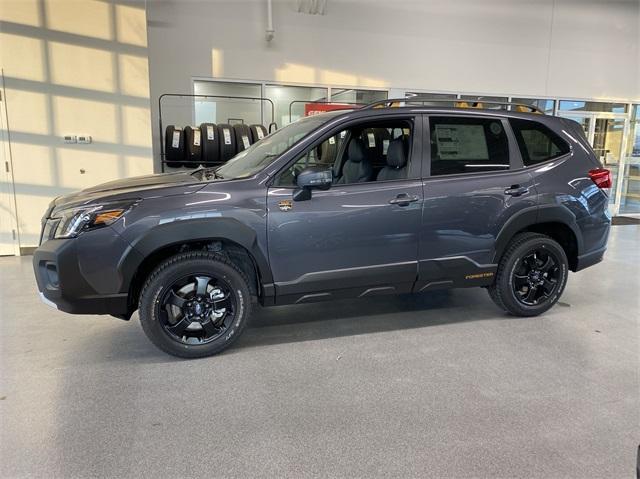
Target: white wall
72 67
565 48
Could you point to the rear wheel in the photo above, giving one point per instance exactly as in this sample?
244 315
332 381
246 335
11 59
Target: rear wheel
531 275
195 304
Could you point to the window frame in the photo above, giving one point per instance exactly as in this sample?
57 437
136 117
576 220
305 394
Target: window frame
515 158
415 161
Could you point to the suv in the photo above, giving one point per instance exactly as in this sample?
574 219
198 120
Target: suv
346 204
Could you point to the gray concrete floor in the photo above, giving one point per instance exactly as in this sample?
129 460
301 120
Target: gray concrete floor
436 385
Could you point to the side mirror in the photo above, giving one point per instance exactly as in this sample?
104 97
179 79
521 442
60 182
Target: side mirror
309 179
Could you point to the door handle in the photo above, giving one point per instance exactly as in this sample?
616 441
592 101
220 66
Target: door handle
516 190
403 199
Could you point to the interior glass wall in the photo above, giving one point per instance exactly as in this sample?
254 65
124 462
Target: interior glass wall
592 106
477 101
282 96
544 105
630 194
361 97
223 110
435 96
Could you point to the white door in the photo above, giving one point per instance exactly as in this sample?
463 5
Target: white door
8 221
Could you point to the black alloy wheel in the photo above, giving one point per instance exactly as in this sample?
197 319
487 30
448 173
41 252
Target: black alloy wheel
536 277
531 275
195 304
197 309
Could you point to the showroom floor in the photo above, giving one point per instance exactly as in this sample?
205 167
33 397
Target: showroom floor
442 385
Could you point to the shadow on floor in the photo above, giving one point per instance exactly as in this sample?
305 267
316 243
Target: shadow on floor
311 322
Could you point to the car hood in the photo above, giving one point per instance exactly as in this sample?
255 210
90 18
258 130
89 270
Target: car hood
148 186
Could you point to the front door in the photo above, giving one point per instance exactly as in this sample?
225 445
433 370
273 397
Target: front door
360 237
470 193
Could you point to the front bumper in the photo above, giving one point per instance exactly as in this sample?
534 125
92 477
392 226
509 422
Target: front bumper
61 282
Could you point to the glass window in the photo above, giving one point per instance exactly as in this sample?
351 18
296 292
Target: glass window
434 96
542 104
571 105
282 96
481 102
537 143
362 97
372 151
264 152
467 145
226 110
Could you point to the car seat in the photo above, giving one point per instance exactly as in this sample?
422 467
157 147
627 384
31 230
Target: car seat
357 168
396 168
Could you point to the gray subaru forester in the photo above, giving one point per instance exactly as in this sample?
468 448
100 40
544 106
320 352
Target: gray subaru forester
384 199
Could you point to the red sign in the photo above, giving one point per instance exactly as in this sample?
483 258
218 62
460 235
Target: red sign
317 108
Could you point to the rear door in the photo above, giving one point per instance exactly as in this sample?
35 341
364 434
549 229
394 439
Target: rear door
355 239
474 182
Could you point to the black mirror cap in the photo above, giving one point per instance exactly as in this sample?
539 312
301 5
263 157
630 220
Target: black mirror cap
315 178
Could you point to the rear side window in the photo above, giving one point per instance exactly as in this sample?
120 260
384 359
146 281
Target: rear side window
467 145
537 143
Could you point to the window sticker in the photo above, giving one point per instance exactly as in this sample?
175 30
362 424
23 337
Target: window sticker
196 137
210 133
245 141
372 140
227 136
260 133
175 141
332 140
461 142
343 134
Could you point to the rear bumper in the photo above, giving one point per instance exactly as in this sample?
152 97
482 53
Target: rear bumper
589 259
62 285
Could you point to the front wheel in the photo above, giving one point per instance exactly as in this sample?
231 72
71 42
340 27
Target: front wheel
531 275
195 304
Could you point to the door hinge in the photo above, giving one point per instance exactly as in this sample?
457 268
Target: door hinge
13 232
6 166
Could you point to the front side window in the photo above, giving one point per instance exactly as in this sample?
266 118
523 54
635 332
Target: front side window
264 152
467 145
371 151
536 142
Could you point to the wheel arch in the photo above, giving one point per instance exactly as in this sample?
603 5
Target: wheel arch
225 235
554 221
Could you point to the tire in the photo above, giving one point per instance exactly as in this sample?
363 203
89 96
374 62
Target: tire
210 144
174 146
525 284
192 146
258 132
243 137
227 142
180 277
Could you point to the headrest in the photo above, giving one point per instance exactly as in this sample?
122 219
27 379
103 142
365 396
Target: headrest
397 153
356 152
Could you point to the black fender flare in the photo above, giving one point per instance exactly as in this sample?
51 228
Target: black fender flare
197 229
532 216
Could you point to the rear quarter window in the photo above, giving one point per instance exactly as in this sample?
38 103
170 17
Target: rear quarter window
537 143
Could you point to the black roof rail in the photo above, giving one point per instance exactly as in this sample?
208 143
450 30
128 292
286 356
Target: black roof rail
426 99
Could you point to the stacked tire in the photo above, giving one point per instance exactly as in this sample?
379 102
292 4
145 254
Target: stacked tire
208 144
174 146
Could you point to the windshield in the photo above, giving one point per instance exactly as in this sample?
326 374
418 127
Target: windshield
261 154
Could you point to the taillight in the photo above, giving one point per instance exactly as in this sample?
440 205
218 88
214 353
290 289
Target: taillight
601 177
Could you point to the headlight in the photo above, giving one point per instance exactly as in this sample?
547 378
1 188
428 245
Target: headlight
72 221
